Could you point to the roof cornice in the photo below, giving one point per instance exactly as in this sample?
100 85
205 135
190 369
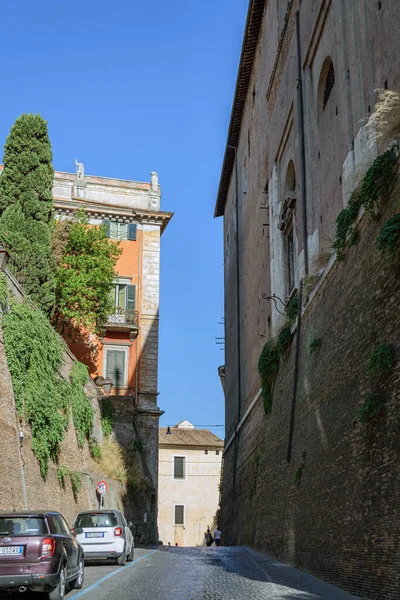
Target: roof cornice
252 31
105 211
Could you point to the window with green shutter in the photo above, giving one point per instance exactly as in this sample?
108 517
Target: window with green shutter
120 231
179 516
131 298
179 467
115 367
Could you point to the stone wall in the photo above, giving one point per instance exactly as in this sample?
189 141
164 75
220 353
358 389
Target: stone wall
21 483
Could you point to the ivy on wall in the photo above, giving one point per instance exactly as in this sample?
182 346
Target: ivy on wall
389 236
34 356
379 364
75 477
273 351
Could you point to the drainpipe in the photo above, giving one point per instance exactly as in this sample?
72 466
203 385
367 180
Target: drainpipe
300 104
237 312
305 236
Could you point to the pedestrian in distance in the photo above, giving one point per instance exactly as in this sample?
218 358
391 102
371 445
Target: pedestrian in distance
209 538
217 537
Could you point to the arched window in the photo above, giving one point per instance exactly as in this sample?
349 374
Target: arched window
290 182
326 83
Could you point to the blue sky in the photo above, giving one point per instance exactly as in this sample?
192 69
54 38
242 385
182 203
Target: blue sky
130 87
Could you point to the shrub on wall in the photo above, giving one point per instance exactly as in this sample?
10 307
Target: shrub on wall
380 361
34 356
314 345
389 236
377 182
371 406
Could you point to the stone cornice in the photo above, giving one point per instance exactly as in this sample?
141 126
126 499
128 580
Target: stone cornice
105 211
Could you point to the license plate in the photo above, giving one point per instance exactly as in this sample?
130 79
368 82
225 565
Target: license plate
10 550
94 534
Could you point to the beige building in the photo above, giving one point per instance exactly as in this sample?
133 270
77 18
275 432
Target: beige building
189 476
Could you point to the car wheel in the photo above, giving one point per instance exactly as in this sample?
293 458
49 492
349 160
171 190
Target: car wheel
77 583
59 592
131 554
121 560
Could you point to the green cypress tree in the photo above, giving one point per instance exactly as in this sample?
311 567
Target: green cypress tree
26 206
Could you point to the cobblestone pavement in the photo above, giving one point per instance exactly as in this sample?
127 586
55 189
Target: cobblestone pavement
203 574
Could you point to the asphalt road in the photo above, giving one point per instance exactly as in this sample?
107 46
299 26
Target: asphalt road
203 574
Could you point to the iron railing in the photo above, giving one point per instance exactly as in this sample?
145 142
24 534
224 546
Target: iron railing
123 316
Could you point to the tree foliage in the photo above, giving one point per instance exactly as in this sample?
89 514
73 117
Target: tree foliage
85 274
26 206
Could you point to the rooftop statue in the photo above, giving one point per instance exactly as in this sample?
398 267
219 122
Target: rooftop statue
80 169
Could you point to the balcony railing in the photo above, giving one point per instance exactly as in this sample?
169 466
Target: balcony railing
122 319
123 316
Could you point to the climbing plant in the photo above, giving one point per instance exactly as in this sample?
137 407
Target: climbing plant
377 182
292 309
3 292
107 416
75 478
268 367
371 406
314 345
34 356
380 361
389 236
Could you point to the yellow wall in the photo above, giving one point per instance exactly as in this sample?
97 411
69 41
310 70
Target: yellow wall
198 492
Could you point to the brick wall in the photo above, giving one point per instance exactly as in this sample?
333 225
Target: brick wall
341 523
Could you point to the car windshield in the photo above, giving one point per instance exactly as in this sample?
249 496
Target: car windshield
96 520
22 526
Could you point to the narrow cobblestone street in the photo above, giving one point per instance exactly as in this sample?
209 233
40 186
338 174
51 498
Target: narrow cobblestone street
204 574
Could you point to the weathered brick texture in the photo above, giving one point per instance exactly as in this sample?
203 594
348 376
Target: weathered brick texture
341 523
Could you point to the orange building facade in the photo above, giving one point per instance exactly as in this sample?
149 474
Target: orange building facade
126 347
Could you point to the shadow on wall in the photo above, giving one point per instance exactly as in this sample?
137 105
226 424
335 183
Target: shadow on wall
136 432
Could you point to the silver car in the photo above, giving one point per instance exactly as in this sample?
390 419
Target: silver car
104 534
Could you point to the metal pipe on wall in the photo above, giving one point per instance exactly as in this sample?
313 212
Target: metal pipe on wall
305 236
300 103
239 402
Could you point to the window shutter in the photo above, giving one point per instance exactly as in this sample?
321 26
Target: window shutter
107 226
179 467
179 514
131 297
114 230
132 231
115 367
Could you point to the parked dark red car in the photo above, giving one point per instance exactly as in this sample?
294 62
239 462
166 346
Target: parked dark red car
38 552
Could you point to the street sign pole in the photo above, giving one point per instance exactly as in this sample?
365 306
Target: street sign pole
102 488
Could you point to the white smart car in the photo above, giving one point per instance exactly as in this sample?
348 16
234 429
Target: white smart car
104 534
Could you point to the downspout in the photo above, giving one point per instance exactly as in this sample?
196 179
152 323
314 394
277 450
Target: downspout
302 145
300 103
237 313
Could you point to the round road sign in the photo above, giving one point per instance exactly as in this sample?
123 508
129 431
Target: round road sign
102 487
